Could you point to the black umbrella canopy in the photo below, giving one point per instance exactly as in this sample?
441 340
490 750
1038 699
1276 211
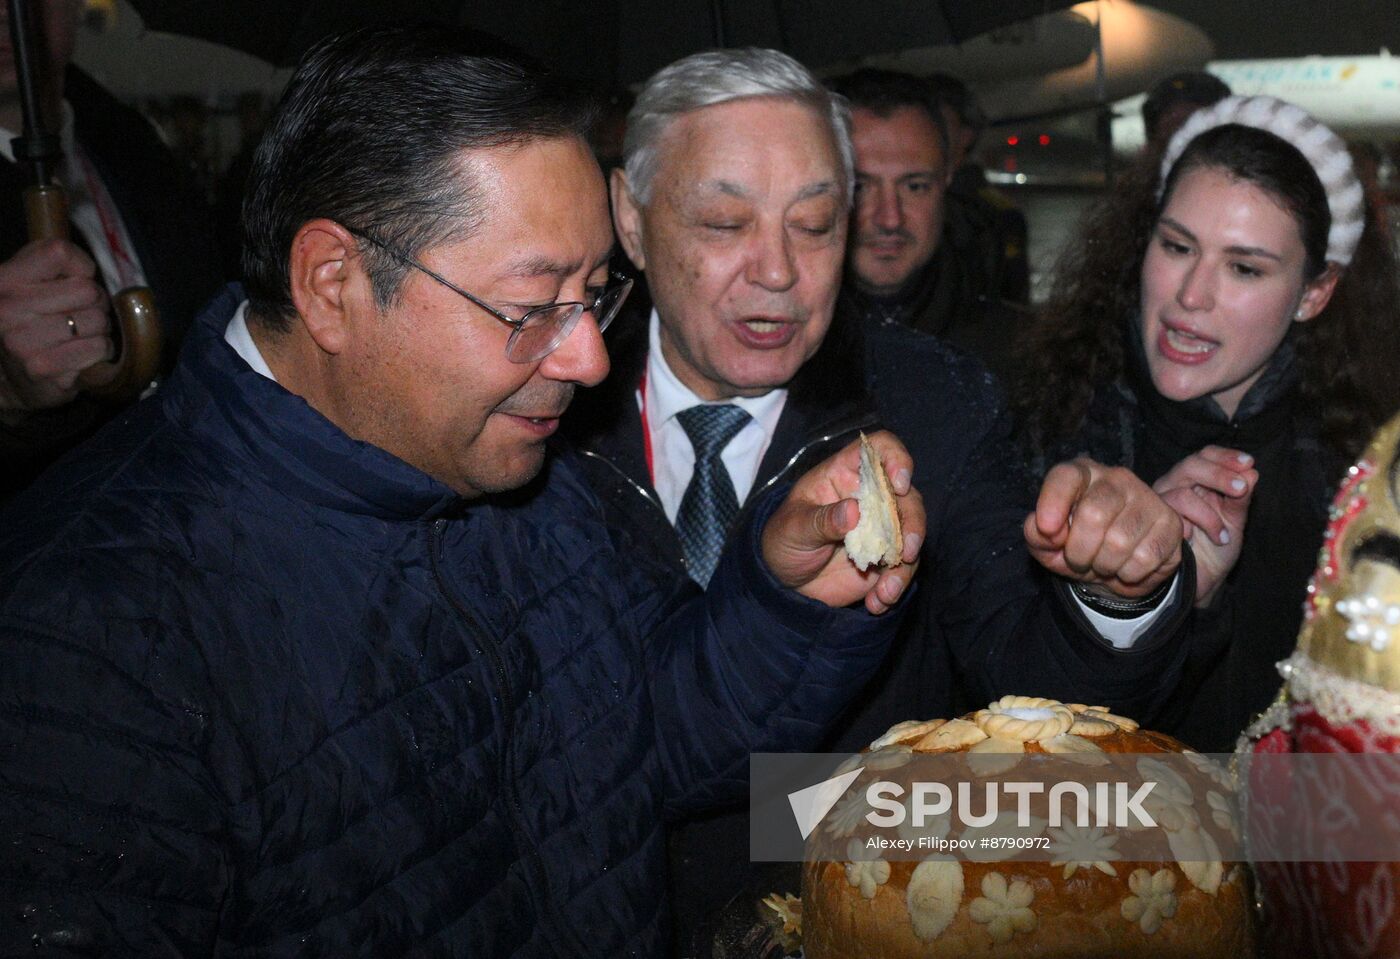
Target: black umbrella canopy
606 42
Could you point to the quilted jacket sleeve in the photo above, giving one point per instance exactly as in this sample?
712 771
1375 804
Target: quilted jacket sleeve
109 822
749 667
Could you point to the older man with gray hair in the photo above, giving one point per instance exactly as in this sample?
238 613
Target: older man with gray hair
734 200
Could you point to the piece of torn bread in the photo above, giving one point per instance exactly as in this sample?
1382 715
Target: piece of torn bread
877 539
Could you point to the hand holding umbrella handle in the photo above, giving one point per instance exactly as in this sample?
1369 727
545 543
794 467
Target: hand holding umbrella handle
138 352
138 325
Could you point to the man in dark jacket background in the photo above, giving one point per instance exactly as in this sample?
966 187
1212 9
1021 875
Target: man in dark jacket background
734 200
318 652
919 254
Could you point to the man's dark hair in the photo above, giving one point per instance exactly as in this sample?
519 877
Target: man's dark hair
882 92
370 133
951 92
1196 87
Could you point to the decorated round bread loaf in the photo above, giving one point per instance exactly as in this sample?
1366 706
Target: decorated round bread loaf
1090 901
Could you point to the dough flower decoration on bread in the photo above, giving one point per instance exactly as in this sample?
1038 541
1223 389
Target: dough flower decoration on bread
851 762
1100 714
934 827
1076 749
1169 782
1198 857
867 875
1172 800
1090 726
910 731
1213 770
848 814
995 755
1222 813
889 757
1153 899
1004 908
934 893
1089 847
954 734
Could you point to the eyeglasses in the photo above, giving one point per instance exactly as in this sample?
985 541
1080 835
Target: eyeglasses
540 331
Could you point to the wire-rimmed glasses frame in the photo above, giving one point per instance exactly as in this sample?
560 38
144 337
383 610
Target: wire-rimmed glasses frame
540 331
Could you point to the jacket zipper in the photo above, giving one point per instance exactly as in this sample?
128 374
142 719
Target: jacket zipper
529 853
645 493
792 461
655 501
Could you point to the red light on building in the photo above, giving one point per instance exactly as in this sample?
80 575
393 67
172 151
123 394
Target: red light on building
1045 139
1012 141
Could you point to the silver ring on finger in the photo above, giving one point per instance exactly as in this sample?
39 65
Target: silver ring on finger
72 326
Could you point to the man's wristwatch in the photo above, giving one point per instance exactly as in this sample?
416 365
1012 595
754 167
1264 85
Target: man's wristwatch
1119 607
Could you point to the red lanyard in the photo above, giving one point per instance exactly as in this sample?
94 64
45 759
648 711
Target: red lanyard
126 267
646 430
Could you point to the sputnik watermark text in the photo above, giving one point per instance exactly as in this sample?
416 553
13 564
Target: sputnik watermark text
1115 804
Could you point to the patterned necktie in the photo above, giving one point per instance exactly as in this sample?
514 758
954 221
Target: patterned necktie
709 505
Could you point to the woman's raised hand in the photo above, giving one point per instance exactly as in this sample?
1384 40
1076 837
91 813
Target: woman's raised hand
1211 491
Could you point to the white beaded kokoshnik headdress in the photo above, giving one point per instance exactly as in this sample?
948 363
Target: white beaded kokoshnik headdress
1322 148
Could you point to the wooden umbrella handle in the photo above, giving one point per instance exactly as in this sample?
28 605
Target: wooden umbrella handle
137 323
138 356
46 212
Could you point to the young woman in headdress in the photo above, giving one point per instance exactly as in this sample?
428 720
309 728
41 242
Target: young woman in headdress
1228 328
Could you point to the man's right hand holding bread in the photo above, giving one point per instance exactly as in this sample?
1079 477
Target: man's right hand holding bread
803 541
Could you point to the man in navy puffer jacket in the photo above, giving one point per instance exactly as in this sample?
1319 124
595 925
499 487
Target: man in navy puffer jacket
317 653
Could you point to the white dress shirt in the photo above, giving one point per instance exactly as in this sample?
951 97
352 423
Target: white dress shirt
237 336
673 458
1123 633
